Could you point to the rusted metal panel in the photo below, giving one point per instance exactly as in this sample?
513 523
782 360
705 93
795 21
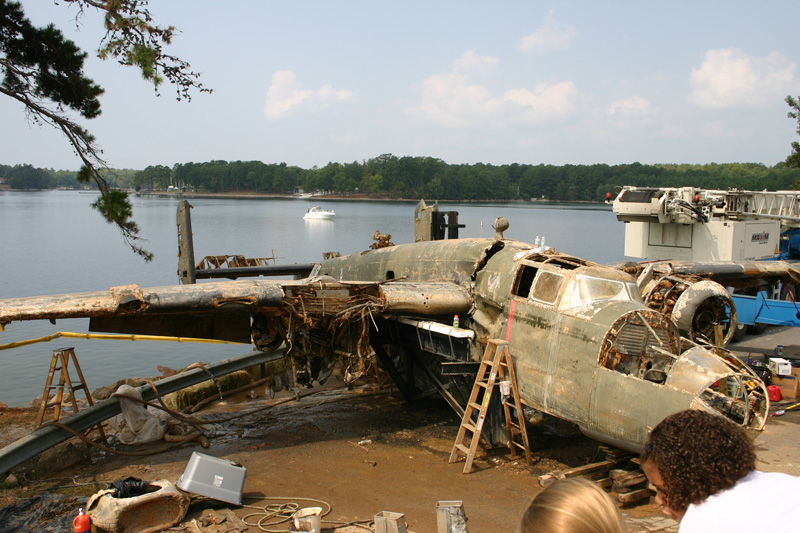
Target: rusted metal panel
695 371
433 337
231 326
297 269
133 300
454 261
730 270
425 298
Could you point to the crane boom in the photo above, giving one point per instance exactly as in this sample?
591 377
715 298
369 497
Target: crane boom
693 224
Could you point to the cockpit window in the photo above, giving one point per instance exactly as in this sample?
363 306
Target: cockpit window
585 289
524 281
545 288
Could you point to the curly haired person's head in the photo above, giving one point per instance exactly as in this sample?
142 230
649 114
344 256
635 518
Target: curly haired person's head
573 505
695 454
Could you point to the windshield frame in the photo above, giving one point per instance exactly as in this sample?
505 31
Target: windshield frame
539 281
577 292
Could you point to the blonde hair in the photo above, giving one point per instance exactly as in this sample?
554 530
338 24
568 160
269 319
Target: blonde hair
573 505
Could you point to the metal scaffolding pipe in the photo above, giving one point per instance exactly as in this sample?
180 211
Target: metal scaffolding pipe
298 269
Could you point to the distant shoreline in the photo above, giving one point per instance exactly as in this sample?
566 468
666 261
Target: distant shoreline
341 197
311 199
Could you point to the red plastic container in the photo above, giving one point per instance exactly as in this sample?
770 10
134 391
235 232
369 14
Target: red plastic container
774 393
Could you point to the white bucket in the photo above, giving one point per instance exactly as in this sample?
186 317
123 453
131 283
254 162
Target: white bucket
389 522
308 519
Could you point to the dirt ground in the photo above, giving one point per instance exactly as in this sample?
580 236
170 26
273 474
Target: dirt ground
361 452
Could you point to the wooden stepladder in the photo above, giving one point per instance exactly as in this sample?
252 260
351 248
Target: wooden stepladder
60 362
497 361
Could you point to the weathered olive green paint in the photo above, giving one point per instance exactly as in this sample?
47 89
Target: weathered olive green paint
558 348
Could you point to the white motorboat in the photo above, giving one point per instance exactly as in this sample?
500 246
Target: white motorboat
317 213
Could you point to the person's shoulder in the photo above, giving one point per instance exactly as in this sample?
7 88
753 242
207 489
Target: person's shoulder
782 478
759 475
720 511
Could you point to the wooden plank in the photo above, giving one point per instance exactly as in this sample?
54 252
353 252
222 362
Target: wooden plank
604 483
634 496
547 479
627 483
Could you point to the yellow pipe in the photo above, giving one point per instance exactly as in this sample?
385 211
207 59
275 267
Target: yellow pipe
71 335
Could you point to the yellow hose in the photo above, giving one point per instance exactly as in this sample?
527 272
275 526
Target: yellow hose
103 336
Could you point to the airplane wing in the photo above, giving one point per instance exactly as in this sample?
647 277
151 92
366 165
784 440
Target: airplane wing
742 274
232 310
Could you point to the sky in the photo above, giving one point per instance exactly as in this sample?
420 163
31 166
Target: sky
310 82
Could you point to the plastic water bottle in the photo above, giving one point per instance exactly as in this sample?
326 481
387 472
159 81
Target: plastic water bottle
537 241
455 321
543 246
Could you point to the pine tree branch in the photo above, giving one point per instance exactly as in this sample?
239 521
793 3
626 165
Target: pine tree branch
113 205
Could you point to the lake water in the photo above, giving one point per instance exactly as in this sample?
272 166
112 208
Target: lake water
52 242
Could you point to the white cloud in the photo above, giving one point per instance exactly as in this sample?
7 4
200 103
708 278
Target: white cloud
450 100
547 102
285 96
456 99
472 64
551 35
730 78
634 107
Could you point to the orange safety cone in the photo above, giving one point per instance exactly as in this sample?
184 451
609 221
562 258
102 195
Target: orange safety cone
82 523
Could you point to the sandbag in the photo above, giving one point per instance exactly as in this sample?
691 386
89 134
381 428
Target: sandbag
160 507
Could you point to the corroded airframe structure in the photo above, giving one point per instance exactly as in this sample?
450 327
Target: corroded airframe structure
585 346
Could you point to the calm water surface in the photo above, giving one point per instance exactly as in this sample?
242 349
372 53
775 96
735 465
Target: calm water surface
53 243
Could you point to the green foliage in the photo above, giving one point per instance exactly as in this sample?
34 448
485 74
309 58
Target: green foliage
793 161
44 71
116 208
424 177
39 63
119 178
28 177
133 39
153 177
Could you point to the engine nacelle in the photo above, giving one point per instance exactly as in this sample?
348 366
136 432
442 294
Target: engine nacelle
696 307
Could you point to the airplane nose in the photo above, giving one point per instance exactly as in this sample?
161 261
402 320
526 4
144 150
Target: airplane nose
723 385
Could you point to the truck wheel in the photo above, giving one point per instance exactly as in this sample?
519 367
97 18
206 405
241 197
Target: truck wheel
740 332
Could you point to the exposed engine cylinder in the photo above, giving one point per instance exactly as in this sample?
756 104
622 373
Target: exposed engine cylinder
696 307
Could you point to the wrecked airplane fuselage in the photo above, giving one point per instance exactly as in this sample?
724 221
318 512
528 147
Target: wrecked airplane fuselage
585 347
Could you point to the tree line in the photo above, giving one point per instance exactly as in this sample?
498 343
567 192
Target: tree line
389 176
